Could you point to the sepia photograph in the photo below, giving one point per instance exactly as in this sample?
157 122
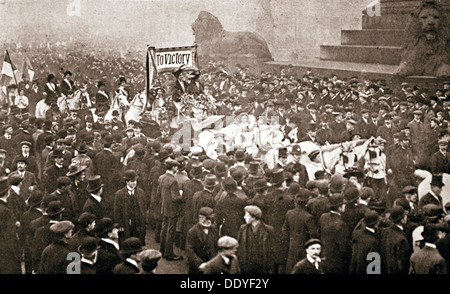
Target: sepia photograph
262 139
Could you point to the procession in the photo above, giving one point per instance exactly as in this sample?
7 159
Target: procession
125 161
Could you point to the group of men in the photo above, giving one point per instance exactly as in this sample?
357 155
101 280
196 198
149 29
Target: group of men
78 182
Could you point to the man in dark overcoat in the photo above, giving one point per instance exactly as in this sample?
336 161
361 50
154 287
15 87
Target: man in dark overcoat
256 244
130 208
201 241
9 255
335 236
300 226
108 252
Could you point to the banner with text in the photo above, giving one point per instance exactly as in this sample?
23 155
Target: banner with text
169 59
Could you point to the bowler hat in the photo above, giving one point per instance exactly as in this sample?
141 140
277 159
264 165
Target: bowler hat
221 169
130 175
75 169
35 198
260 184
336 200
229 185
278 176
351 194
294 189
62 227
58 154
303 195
94 183
371 218
88 245
115 113
104 225
311 242
163 155
131 245
397 213
54 208
210 181
336 183
196 170
239 155
239 173
209 164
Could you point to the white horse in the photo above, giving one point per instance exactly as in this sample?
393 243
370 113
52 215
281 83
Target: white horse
137 106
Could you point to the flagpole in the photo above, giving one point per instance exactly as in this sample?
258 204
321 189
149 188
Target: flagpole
14 75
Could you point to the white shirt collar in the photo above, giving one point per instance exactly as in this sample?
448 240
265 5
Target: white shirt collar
430 245
87 261
226 259
15 189
98 198
399 226
3 199
370 229
133 262
109 241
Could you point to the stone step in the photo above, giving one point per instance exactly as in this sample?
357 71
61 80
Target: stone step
385 21
361 54
372 37
363 71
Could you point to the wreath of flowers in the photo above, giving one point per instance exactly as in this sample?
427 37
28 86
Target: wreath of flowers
199 106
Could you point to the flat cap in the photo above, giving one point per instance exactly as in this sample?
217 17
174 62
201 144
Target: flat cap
62 227
313 241
227 242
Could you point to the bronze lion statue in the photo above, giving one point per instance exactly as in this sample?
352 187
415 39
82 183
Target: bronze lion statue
427 39
213 41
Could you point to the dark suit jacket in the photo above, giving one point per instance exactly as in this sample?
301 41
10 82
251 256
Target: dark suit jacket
29 179
429 199
54 259
335 237
395 251
304 267
363 242
169 193
50 177
439 163
108 257
189 189
201 199
125 268
230 215
300 226
93 206
200 247
427 261
123 212
9 253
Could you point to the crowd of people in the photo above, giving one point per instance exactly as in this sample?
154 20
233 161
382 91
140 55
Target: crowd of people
79 181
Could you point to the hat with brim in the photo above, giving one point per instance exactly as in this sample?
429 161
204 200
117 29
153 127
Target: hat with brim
105 225
149 258
131 245
54 208
75 169
312 156
196 170
210 181
221 169
408 189
94 183
371 218
130 175
397 213
278 176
